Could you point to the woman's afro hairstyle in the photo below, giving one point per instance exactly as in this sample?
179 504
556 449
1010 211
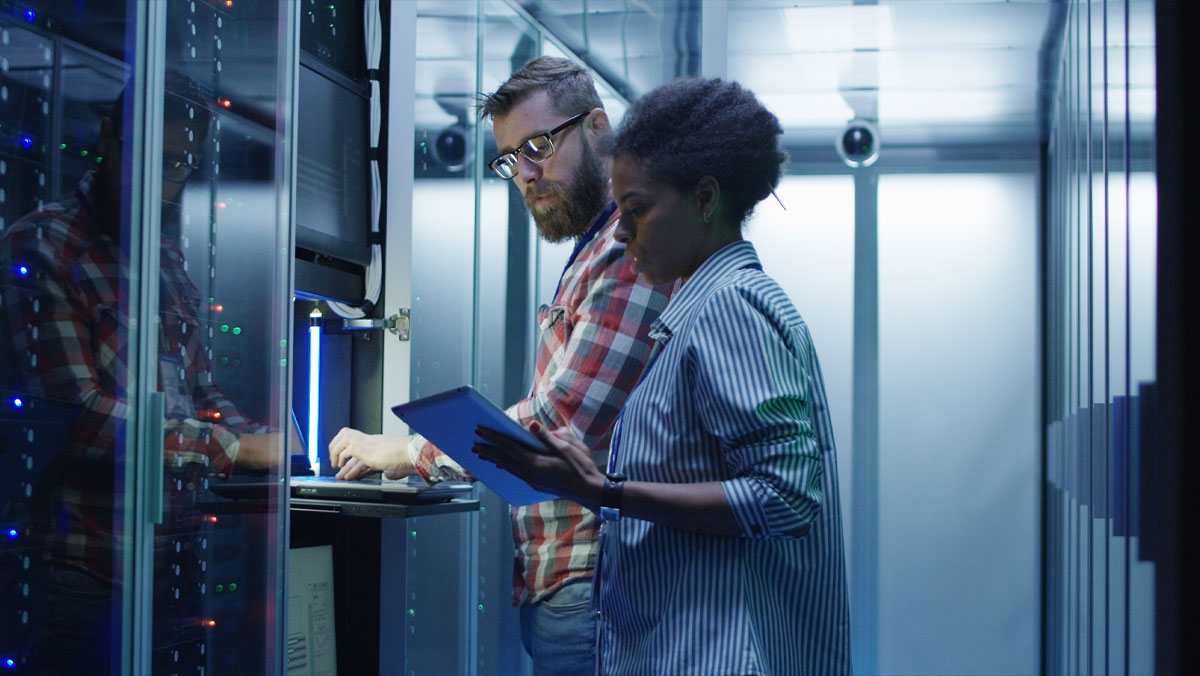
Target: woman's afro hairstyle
695 127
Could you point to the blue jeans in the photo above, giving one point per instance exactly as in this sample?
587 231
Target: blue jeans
559 631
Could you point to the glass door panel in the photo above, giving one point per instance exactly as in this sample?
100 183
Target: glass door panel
958 425
224 303
440 555
67 349
144 278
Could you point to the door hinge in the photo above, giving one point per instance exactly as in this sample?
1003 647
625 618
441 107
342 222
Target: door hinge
398 323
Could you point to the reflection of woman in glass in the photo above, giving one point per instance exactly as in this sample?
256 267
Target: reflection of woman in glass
723 544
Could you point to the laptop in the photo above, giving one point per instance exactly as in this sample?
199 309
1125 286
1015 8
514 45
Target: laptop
375 489
332 489
412 490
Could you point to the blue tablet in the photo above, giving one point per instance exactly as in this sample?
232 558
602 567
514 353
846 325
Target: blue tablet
449 419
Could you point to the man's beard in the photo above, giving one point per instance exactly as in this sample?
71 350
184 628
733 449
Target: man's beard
569 211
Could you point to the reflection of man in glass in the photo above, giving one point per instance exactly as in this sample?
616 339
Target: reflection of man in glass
64 337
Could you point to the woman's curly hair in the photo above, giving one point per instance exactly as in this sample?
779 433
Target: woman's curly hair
695 127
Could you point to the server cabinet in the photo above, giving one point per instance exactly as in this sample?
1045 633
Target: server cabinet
145 198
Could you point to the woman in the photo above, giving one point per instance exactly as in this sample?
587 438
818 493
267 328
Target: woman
722 549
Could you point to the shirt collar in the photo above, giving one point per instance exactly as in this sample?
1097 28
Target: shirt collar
725 261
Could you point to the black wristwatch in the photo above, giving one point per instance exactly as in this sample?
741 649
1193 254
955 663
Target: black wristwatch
610 497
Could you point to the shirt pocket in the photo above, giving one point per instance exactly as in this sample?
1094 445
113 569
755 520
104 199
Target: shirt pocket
553 331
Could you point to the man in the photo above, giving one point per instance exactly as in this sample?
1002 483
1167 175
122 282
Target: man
592 344
64 336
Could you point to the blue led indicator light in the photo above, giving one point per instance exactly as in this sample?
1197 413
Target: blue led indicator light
17 403
30 15
12 533
26 141
23 270
10 663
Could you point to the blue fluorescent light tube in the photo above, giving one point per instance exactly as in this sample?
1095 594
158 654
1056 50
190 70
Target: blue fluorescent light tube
314 387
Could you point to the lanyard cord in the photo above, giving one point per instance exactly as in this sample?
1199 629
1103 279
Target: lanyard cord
583 241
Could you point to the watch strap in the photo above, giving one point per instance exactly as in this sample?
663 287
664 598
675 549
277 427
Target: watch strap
611 496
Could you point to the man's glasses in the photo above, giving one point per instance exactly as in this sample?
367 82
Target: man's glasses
535 149
176 170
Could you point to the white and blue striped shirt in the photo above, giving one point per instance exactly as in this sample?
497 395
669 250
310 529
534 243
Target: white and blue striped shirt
734 395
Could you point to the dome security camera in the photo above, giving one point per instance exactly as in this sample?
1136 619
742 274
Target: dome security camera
858 144
450 148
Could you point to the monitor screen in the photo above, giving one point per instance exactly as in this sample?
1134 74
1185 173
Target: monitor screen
333 206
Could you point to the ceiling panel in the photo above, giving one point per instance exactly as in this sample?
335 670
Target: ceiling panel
928 71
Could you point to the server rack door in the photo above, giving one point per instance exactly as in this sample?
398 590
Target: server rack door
144 319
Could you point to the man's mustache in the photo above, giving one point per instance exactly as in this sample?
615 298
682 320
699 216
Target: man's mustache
550 190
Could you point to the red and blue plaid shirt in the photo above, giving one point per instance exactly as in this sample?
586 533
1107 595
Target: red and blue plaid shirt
65 323
593 340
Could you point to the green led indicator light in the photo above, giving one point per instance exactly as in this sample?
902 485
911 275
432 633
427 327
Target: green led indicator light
283 343
220 588
224 360
99 160
283 362
62 146
224 328
232 586
413 533
237 330
83 153
480 606
412 612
